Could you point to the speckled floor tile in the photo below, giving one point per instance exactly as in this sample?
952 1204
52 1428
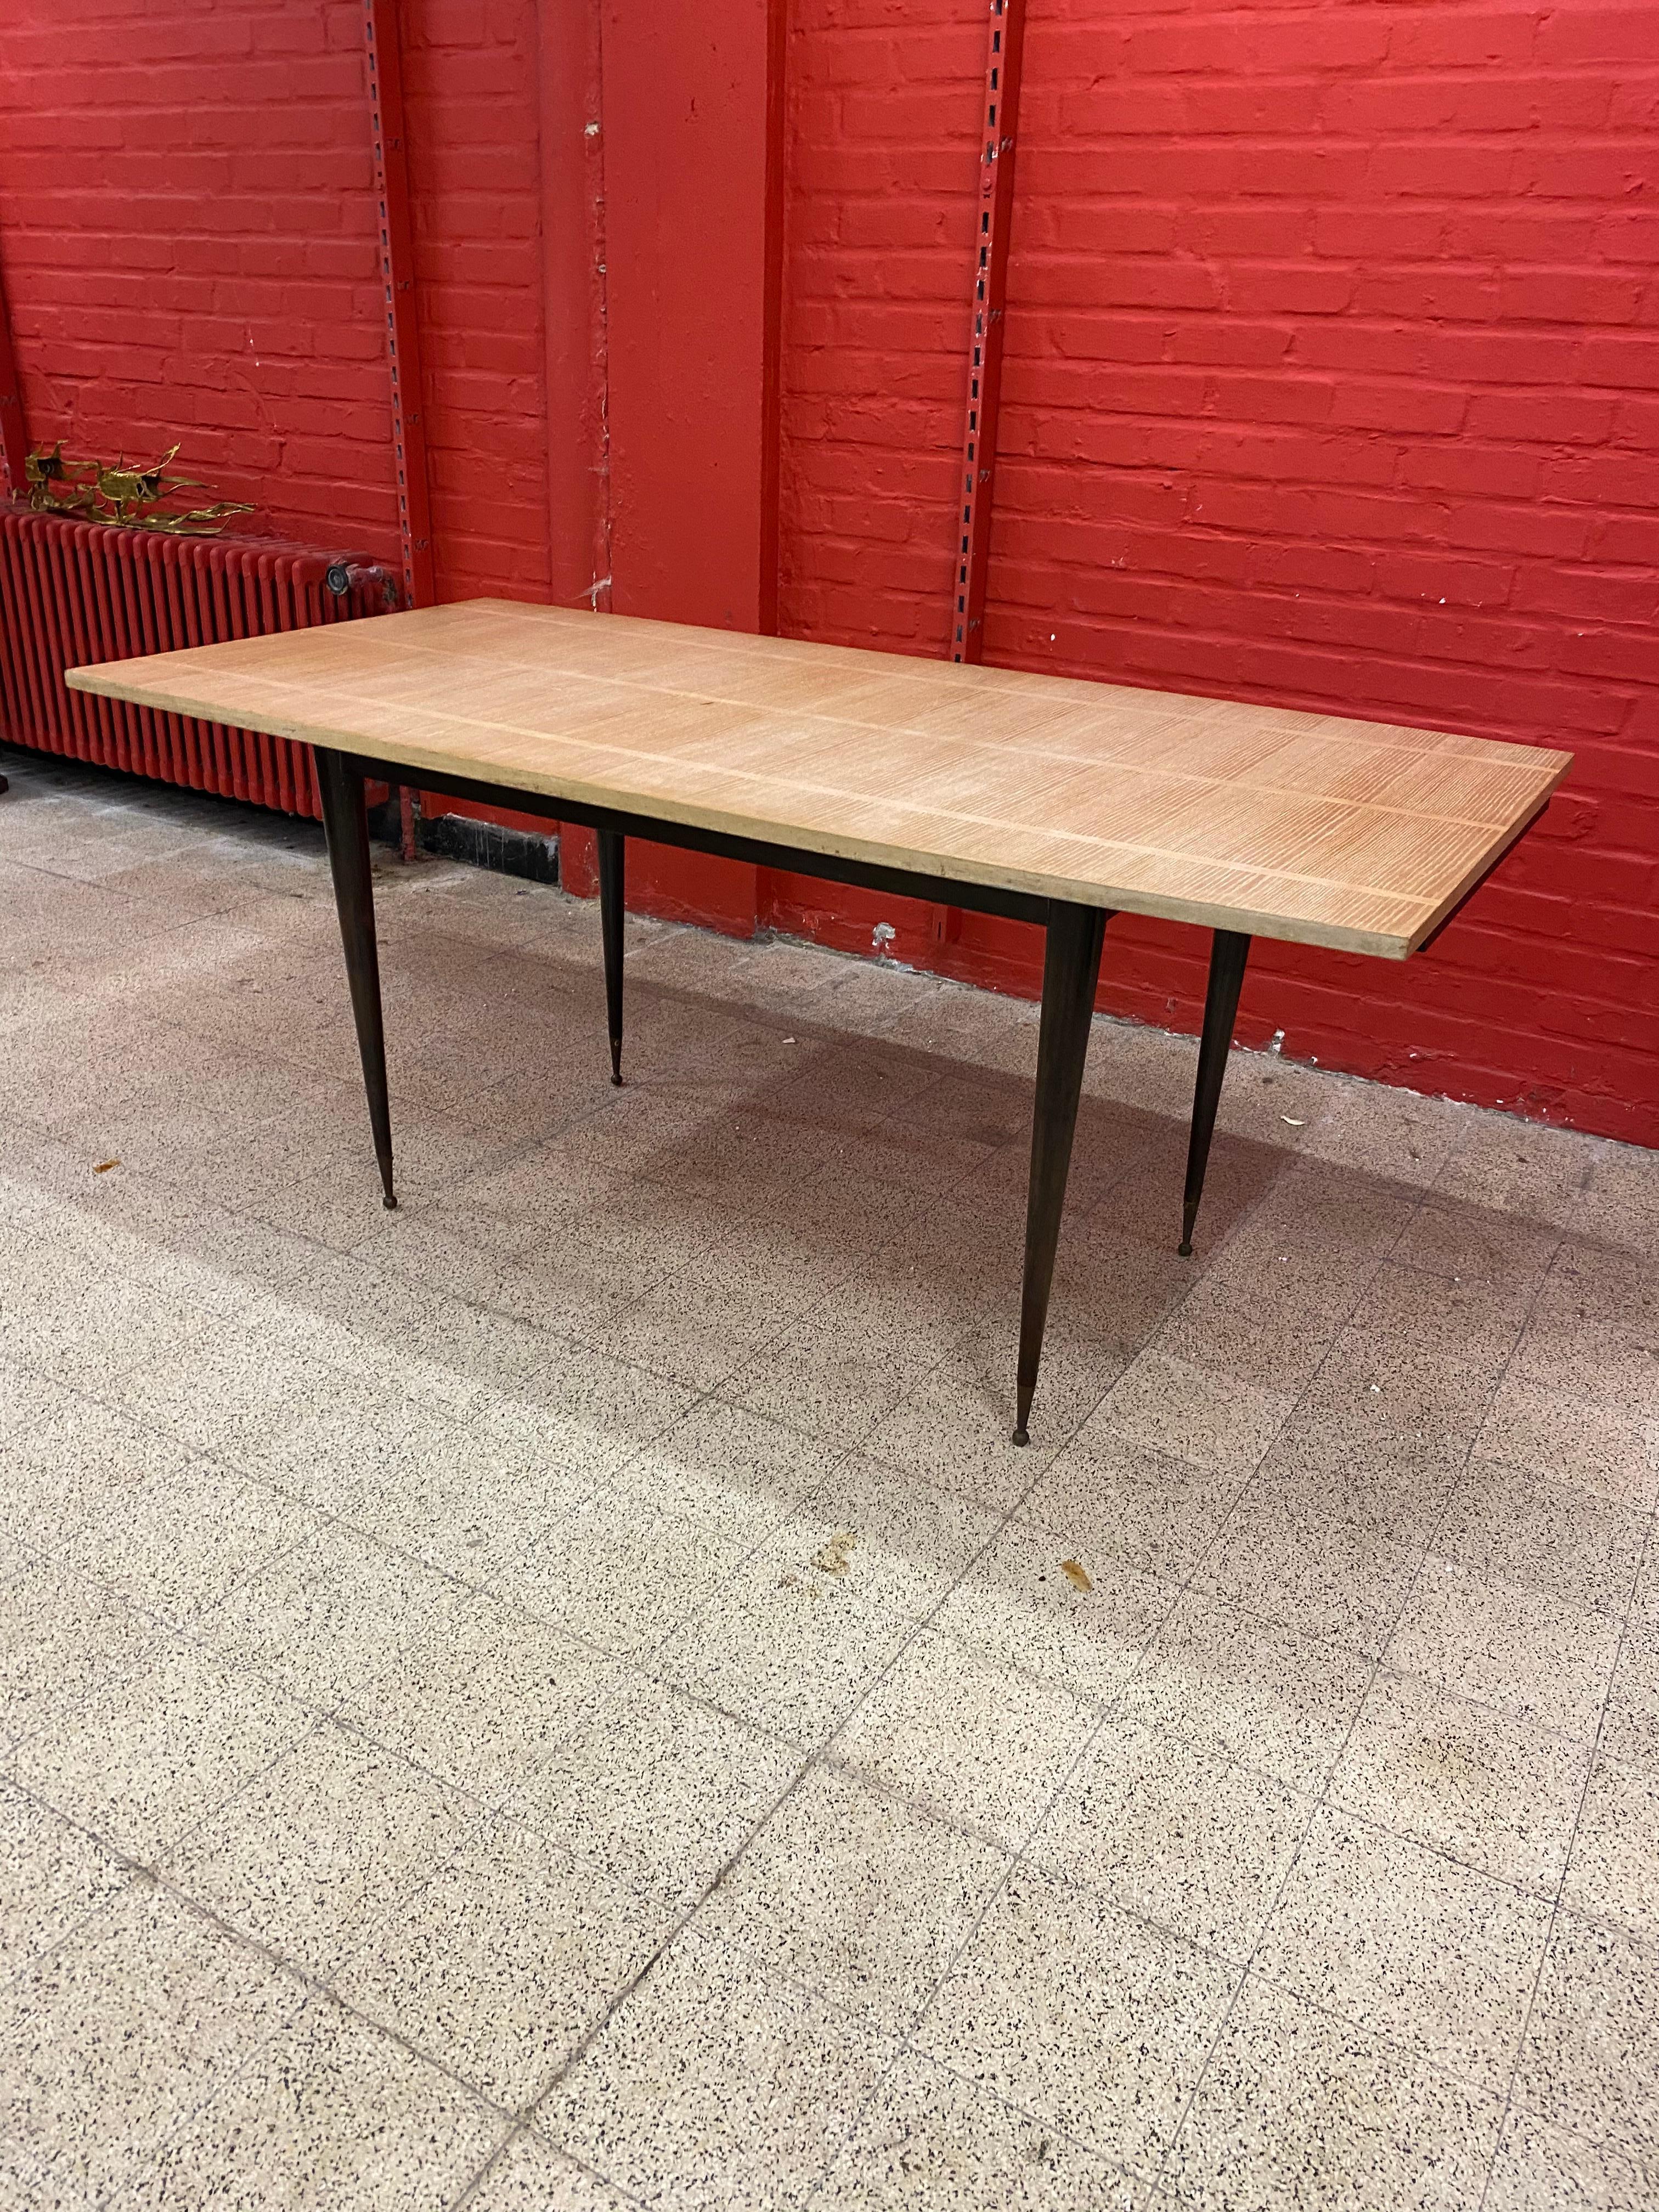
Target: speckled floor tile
1423 1314
788 1650
896 1542
1472 1243
1598 1449
328 1616
111 2042
967 1737
1299 2110
180 1544
531 2176
728 1467
1644 1603
656 1790
1178 1834
52 1876
1435 1956
1502 1645
319 1847
1277 1701
1495 1791
207 1393
328 2112
1518 1167
502 1962
1379 1395
1072 2009
1147 1509
1303 1571
1613 1875
69 1460
1516 1526
1269 1324
1591 2059
1197 1412
1630 1727
929 2141
716 2083
1615 1282
146 1757
1542 2169
1382 1131
823 1385
281 1454
1393 1488
74 1316
60 1636
621 1580
954 1429
1587 1354
856 1893
483 1700
1068 1611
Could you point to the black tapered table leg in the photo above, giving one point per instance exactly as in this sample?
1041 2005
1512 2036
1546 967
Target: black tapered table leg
1227 957
340 782
611 843
1070 969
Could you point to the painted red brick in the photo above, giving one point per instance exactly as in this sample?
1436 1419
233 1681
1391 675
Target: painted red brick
189 245
1330 380
1333 380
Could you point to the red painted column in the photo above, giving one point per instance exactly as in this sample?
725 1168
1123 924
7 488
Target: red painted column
690 124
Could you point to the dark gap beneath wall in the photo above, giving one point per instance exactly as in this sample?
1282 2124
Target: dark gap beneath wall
486 845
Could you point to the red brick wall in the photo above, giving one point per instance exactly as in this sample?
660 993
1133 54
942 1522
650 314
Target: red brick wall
1332 379
187 235
471 95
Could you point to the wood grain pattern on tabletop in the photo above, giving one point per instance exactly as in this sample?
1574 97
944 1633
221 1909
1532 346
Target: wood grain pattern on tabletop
1357 836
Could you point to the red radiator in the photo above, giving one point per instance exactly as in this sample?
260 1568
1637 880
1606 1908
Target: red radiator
74 592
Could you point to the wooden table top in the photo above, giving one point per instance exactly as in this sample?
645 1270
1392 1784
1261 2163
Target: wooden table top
1353 835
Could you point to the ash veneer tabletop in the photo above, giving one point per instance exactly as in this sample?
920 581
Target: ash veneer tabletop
1049 799
1352 834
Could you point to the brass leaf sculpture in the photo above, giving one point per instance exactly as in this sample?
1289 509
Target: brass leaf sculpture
105 491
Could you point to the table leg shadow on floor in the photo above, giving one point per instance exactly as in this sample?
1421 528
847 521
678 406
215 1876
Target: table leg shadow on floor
1073 937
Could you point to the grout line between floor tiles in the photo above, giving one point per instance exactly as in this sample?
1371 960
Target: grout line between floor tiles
153 1873
822 1756
1560 1891
1319 1797
1322 1795
818 1757
519 2131
261 1477
632 1662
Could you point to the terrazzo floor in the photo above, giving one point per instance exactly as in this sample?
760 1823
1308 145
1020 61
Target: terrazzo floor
565 1697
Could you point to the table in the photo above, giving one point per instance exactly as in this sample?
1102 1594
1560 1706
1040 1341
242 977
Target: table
1047 799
